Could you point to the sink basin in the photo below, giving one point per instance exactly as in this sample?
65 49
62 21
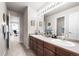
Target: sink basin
63 42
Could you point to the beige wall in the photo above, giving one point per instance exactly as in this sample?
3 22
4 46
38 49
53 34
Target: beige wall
2 41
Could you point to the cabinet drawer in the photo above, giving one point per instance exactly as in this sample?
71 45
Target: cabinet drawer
33 39
49 46
35 49
62 52
40 52
40 47
48 52
34 45
39 42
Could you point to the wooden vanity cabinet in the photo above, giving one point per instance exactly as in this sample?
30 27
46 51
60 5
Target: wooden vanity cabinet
49 50
42 48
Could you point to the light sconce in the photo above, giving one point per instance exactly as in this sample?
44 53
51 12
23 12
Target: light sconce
49 7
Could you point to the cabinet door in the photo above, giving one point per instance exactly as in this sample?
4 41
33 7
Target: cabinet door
30 43
49 46
62 52
34 47
49 49
48 52
39 47
39 42
39 52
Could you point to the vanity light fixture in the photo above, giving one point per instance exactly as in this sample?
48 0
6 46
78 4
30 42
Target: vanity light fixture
48 7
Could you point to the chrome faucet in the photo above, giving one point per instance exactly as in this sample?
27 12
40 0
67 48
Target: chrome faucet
63 37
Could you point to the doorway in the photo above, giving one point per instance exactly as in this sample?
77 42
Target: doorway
14 27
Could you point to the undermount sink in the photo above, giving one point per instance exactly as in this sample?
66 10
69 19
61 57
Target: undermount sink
63 42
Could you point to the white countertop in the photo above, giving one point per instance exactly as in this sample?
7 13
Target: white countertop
50 40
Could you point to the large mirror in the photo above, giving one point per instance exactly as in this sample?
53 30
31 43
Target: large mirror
66 26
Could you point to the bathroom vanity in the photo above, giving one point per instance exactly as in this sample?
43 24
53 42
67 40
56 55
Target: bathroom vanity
44 46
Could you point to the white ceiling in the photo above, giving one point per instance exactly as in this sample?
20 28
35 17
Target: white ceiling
19 6
38 5
62 8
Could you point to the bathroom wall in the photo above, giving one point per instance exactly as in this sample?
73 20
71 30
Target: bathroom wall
29 15
2 41
42 27
32 15
25 27
22 29
66 13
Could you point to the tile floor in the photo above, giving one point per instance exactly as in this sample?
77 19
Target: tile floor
17 49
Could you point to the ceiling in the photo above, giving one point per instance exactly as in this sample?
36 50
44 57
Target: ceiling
62 8
19 6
